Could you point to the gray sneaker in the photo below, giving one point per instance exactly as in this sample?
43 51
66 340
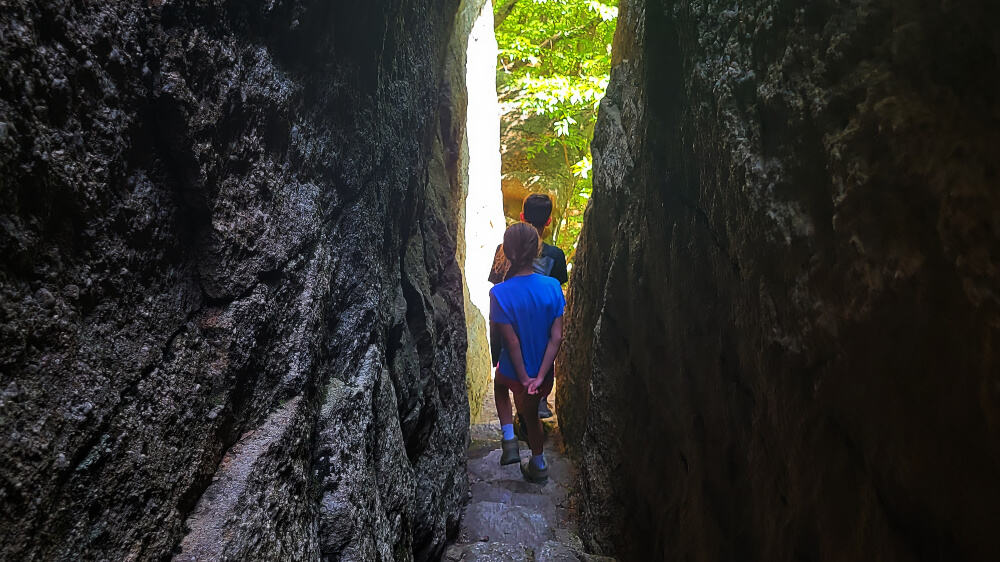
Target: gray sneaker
543 410
510 453
534 474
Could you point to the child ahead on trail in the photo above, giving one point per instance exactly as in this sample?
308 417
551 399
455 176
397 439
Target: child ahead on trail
536 211
526 310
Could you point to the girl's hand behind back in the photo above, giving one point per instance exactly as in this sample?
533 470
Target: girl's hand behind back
534 384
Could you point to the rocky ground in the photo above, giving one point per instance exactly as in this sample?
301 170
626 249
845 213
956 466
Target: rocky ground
508 518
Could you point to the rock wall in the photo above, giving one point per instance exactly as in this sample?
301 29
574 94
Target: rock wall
482 212
232 316
784 316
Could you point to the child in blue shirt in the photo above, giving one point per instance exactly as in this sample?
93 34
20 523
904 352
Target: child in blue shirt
536 210
526 311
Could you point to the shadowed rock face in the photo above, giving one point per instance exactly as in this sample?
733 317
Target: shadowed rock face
229 295
783 323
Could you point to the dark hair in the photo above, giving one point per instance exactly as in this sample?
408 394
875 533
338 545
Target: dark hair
537 209
521 245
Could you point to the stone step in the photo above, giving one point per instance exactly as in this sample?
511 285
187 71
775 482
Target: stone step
506 523
508 518
487 552
553 551
550 551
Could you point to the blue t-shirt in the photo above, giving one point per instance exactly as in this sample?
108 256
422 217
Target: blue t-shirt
530 303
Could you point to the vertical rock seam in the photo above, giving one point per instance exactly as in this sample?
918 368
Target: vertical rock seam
471 76
232 317
483 211
782 330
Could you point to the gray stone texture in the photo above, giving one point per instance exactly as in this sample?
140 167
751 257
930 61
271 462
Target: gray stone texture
783 325
509 518
231 317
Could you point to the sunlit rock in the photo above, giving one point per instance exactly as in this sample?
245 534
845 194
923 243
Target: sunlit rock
484 220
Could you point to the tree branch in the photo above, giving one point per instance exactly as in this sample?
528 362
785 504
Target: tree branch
502 14
551 42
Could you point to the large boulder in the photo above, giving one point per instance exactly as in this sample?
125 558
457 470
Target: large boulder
232 314
782 330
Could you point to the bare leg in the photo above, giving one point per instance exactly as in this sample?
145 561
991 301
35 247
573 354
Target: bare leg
527 406
501 394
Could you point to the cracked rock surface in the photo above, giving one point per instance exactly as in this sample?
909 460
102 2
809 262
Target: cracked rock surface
510 519
231 318
784 314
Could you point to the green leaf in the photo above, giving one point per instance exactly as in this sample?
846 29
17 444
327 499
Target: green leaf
554 63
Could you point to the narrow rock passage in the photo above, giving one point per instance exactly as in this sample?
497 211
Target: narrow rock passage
508 518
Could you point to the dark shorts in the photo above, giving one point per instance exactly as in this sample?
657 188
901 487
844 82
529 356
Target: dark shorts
516 387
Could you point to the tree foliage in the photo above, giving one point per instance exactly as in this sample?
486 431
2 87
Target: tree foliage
555 57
